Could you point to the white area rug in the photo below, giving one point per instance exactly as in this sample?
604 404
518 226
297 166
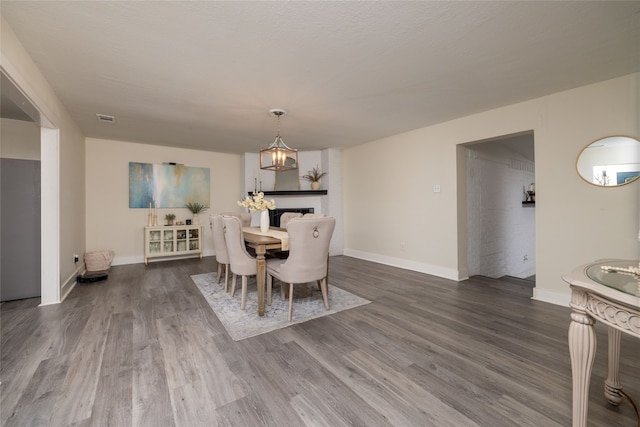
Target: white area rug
241 324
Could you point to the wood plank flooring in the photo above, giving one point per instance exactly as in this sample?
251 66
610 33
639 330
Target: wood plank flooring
144 349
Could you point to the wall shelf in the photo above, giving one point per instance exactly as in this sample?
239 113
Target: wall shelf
528 204
294 193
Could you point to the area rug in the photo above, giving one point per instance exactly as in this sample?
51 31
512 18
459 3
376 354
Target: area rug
241 324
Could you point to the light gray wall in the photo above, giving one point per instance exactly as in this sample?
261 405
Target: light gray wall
19 140
393 216
19 210
20 229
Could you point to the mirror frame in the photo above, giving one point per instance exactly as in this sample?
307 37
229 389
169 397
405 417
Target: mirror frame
636 178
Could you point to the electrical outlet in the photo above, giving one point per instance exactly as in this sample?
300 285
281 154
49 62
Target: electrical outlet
402 247
525 258
76 258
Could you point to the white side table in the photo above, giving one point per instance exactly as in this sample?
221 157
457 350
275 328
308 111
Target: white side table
613 298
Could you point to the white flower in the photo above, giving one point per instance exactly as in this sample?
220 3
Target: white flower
257 202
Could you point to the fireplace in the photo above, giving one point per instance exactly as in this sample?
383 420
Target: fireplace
274 215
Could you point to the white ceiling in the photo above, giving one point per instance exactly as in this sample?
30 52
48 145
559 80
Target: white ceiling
203 74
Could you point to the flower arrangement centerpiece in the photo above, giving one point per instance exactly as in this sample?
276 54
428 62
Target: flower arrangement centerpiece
257 202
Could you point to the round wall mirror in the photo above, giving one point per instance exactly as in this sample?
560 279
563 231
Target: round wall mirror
610 162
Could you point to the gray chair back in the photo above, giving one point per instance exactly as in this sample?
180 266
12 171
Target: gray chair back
240 261
288 216
219 244
245 217
309 240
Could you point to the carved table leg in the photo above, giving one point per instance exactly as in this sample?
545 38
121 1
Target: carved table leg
582 349
612 385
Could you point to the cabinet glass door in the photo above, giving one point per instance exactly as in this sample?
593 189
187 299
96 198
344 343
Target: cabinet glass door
181 239
168 241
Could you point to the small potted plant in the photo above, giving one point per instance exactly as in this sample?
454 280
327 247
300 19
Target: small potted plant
314 176
170 217
196 208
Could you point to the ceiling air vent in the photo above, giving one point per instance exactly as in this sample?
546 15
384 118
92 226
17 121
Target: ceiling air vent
104 118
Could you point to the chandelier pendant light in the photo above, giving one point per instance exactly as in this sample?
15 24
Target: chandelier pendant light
278 156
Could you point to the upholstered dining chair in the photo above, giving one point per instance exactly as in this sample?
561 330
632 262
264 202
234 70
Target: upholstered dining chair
242 264
220 246
288 216
284 220
309 240
245 217
314 215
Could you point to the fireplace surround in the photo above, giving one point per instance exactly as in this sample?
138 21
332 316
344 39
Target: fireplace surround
275 214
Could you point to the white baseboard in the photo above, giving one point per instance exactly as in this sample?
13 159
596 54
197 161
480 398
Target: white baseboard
434 270
551 297
70 283
127 260
140 259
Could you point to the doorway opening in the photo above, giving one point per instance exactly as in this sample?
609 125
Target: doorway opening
500 216
16 105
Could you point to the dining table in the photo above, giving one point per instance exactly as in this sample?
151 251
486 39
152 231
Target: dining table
273 239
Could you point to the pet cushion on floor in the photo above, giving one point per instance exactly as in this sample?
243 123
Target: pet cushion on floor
98 260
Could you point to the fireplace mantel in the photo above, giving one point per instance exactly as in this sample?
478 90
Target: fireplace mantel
294 193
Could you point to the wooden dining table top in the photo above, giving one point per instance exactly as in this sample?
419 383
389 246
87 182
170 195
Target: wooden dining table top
260 239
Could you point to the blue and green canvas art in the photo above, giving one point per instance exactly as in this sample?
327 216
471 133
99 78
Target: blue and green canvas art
167 186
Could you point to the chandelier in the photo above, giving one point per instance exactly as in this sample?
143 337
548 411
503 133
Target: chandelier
278 156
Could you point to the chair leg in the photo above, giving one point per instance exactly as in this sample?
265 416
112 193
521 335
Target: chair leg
219 275
233 285
243 302
269 286
226 277
290 301
325 292
326 279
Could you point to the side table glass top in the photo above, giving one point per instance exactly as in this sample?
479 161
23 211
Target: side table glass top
626 282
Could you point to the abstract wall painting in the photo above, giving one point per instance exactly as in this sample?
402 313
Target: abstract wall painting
167 185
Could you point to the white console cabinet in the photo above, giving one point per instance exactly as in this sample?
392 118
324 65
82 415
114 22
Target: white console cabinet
172 240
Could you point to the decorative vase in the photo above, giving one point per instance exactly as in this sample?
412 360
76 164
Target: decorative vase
315 185
196 220
264 221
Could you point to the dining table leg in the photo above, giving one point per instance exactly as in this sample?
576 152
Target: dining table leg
261 276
